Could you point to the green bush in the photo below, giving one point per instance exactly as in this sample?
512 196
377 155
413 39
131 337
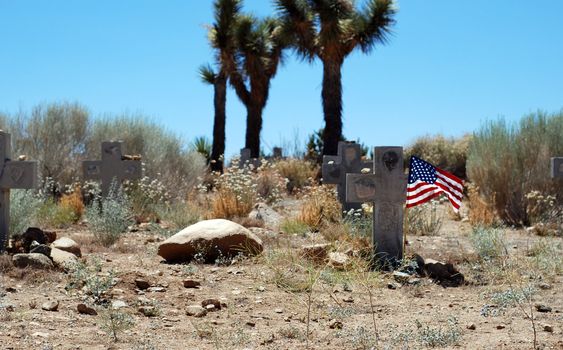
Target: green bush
508 161
488 242
24 206
449 154
53 215
109 217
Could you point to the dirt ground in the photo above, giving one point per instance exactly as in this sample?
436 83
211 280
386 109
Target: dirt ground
258 314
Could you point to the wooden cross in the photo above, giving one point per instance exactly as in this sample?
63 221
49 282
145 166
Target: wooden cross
557 167
245 159
335 168
13 174
277 153
114 166
386 188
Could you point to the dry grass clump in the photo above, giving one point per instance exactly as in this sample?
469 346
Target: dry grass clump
235 194
481 212
299 173
73 203
269 183
320 207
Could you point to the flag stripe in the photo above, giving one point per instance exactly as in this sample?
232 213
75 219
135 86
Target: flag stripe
450 180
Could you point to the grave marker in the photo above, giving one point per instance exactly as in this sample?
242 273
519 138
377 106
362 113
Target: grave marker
335 168
114 165
386 188
245 159
557 167
277 153
13 174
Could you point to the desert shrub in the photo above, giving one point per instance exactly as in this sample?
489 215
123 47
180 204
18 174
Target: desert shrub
507 161
439 337
145 195
269 183
293 226
547 257
90 280
165 155
481 211
202 145
24 206
359 222
73 202
51 214
54 134
109 217
299 173
114 321
449 154
424 219
488 242
320 206
235 193
179 214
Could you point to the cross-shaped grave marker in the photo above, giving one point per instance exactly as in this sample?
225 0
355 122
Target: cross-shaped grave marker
13 174
114 166
557 167
386 188
245 159
335 168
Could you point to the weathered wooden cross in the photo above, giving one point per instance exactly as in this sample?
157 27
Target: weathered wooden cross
386 188
245 159
557 167
335 168
114 166
13 174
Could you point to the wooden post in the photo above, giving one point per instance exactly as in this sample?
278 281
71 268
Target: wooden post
386 188
114 166
14 174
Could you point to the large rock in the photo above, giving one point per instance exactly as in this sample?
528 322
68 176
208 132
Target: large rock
266 214
209 240
63 259
68 245
34 260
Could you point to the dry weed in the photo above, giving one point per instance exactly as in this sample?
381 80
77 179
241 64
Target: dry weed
73 202
481 212
299 173
320 207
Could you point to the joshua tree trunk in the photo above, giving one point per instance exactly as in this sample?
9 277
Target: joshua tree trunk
219 101
253 128
332 106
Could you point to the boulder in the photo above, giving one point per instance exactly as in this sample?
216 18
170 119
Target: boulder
209 240
266 214
68 245
63 259
34 260
41 249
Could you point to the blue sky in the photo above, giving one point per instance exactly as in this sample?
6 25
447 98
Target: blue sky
448 66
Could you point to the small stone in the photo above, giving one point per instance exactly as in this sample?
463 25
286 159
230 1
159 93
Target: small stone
118 304
261 289
278 311
548 328
414 281
401 277
52 305
210 307
315 252
543 308
34 260
148 311
41 249
471 326
501 326
251 323
196 311
40 334
339 261
156 289
142 284
191 284
215 302
393 285
335 324
348 299
68 245
544 286
86 310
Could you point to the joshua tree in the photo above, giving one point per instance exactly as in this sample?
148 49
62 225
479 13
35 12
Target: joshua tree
331 30
259 52
221 39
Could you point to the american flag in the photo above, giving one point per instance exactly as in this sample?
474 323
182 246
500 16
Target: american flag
427 182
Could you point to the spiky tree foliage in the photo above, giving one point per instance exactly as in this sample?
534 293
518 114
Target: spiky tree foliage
331 30
255 63
221 39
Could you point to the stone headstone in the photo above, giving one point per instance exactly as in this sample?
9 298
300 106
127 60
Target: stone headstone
246 161
277 153
335 168
114 166
386 188
557 167
13 174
